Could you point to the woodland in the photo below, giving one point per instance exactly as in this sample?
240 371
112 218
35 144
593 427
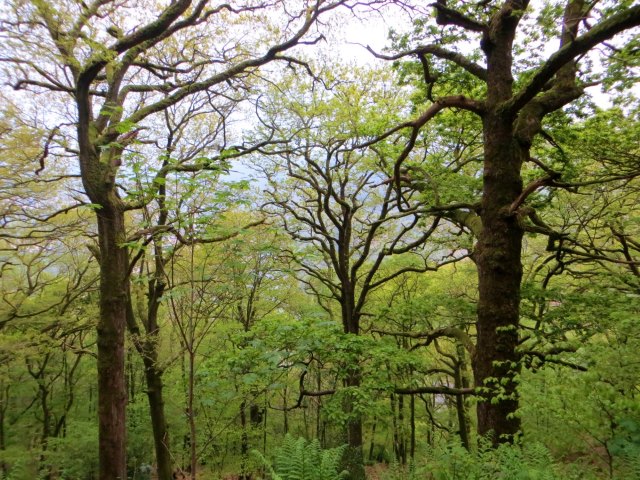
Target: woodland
234 245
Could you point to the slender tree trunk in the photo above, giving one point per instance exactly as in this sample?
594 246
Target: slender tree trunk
285 411
394 424
4 401
399 442
264 426
164 465
402 444
244 443
372 443
462 381
45 472
147 347
318 406
130 378
462 414
3 465
412 408
191 414
428 404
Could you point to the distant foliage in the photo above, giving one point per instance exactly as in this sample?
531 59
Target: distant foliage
74 457
299 459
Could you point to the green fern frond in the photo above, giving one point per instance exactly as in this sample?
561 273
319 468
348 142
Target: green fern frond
297 459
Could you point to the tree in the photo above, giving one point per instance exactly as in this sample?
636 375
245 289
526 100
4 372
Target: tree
514 88
116 78
430 318
260 286
339 204
186 136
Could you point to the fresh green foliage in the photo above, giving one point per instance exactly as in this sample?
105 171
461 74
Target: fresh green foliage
531 461
76 455
299 459
364 216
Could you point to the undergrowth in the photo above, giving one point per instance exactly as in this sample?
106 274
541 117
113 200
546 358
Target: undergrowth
299 459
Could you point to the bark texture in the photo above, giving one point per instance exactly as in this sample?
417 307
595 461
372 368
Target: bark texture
112 394
498 250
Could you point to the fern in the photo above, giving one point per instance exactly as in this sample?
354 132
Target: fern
297 459
509 462
272 473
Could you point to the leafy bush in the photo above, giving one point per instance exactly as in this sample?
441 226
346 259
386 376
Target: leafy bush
75 457
297 459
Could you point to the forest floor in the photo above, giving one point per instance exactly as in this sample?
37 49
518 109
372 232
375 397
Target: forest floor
376 472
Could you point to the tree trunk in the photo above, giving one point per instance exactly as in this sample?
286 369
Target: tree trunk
191 415
285 410
158 420
112 394
498 258
394 424
147 347
462 414
264 427
402 441
318 406
397 417
4 402
353 460
373 439
244 443
412 419
461 402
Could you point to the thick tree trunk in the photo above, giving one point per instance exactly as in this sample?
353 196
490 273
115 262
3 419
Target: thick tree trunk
112 396
353 458
498 258
98 179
